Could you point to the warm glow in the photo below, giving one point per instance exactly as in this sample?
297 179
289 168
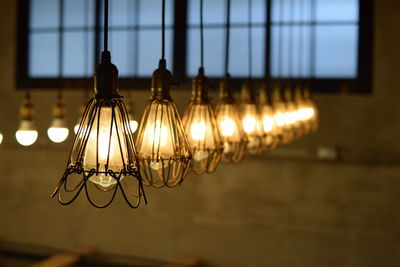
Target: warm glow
268 123
26 134
227 126
198 131
26 138
57 134
76 128
133 125
249 124
109 150
1 138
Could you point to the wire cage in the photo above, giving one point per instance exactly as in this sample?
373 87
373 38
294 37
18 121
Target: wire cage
163 149
270 138
229 121
202 129
251 119
102 157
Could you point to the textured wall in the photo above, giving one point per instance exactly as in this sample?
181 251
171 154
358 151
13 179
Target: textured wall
263 212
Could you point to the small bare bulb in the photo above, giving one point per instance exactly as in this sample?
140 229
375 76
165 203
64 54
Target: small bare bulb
26 134
58 132
134 125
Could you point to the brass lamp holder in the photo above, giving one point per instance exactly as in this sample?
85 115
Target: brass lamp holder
248 92
265 95
106 78
26 110
200 88
161 81
226 93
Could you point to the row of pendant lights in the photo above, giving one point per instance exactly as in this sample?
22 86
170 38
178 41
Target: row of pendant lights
106 157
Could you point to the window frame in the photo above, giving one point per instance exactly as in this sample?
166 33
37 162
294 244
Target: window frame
361 84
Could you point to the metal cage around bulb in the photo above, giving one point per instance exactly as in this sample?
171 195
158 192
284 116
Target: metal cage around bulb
229 121
251 119
163 149
271 137
103 156
202 129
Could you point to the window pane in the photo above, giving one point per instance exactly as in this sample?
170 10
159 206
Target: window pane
337 10
75 14
122 52
122 12
214 51
150 13
239 52
44 14
336 51
150 51
43 55
213 12
75 57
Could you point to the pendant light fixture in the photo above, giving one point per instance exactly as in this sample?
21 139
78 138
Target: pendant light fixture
282 128
103 156
163 148
271 134
291 110
251 119
227 111
58 130
26 134
199 120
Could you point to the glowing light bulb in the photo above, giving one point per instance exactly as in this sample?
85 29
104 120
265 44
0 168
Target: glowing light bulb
58 132
134 125
26 134
249 124
163 149
227 126
103 150
1 138
198 130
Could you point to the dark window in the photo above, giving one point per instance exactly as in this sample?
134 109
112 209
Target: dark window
335 37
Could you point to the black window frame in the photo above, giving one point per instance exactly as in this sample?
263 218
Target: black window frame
361 84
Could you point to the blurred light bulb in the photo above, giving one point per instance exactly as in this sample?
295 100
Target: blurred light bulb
58 132
104 151
227 126
134 125
26 134
1 138
249 124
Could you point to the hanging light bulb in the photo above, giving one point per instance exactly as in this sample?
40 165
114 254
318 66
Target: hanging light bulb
311 111
234 138
201 128
103 156
26 134
271 137
200 122
163 148
251 119
283 129
132 122
58 130
291 121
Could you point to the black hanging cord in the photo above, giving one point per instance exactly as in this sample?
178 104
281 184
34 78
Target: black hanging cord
201 36
280 39
163 31
290 41
86 44
136 38
105 25
249 25
301 39
228 25
60 45
313 11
